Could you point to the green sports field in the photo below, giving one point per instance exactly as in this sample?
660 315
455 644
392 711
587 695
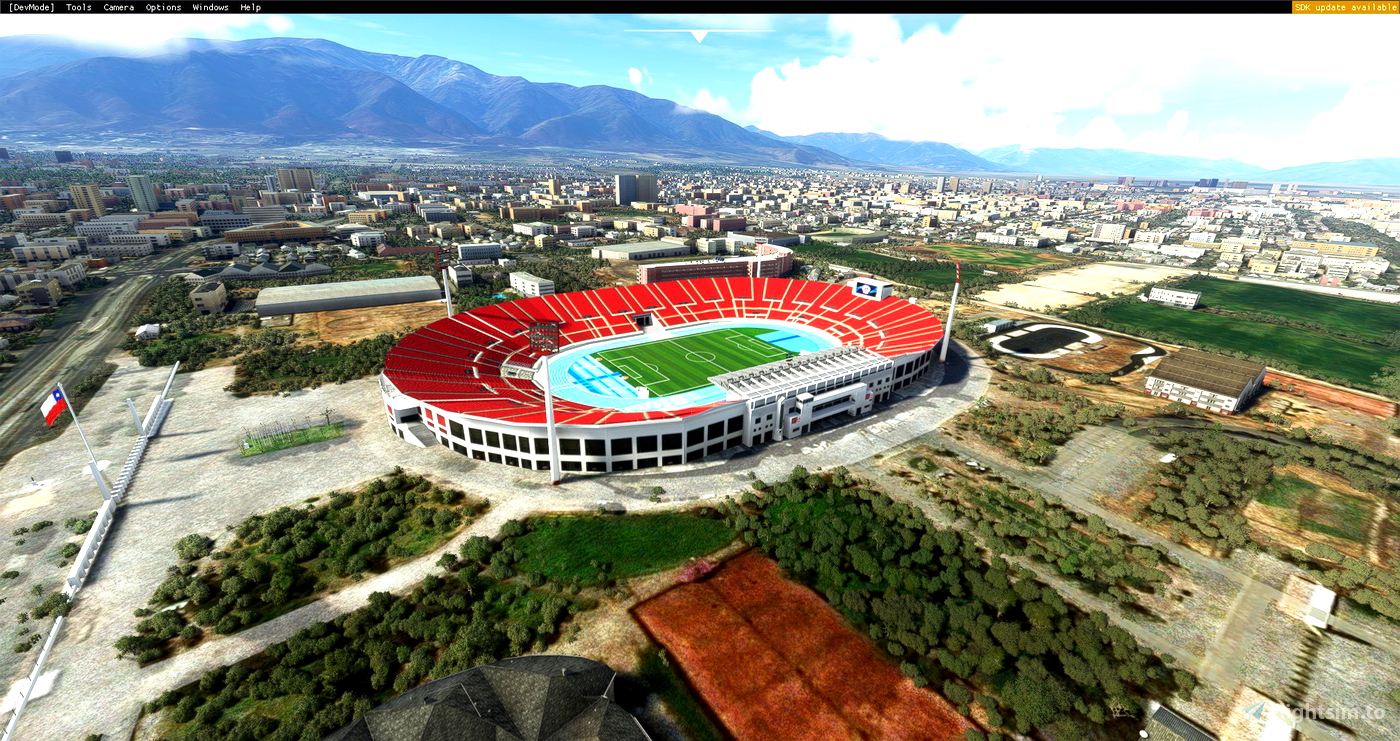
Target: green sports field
681 364
1009 259
1367 319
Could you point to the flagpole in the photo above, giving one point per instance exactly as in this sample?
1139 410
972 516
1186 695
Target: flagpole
96 474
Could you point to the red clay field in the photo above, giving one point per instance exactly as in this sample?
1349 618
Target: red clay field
774 662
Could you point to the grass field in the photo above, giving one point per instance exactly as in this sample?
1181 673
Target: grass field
1368 319
681 364
932 277
992 257
1335 357
281 441
1320 510
593 549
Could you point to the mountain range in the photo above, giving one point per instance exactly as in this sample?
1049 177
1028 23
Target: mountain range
878 149
292 91
301 90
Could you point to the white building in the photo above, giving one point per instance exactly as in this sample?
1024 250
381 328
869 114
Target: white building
122 250
485 252
1109 232
1173 297
533 229
1217 383
368 239
101 229
68 274
30 252
994 238
526 284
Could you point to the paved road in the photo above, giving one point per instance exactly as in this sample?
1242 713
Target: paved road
89 327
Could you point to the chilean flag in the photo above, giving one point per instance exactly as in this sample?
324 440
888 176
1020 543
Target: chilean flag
53 406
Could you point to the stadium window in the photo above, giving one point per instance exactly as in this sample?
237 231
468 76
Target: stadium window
542 445
460 448
512 461
524 444
493 457
670 460
671 441
716 430
493 440
646 463
542 465
596 466
646 444
594 447
736 424
714 448
509 441
444 442
694 455
456 428
731 442
695 437
622 446
477 454
622 465
571 466
570 446
476 435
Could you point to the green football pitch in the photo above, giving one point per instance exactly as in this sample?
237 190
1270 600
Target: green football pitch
681 364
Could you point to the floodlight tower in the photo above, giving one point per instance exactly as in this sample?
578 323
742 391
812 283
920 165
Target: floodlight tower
553 431
443 258
952 311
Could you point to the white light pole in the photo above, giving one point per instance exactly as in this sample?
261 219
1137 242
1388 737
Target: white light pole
554 473
952 311
92 459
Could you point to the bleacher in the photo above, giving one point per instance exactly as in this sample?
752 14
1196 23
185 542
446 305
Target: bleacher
455 363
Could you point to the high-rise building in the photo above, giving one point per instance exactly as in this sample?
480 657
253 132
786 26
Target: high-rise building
296 178
1208 183
4 154
63 155
624 189
143 193
939 183
553 185
89 196
647 189
270 182
952 185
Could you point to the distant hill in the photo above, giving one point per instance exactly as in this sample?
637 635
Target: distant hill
877 148
1110 162
1378 171
298 90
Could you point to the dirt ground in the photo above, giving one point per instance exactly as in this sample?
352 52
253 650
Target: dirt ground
343 326
758 647
1107 356
1076 286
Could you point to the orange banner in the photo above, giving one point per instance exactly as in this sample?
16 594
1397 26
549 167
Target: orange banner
1345 7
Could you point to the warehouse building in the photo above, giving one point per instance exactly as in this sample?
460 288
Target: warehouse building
347 295
279 231
1216 383
641 251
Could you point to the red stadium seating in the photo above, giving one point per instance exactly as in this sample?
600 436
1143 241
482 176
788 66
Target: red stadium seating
455 364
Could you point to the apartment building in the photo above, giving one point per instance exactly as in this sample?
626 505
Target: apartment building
209 298
526 284
88 196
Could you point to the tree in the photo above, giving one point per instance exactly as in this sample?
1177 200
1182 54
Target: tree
193 547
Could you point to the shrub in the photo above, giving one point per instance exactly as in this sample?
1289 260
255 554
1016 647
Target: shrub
193 547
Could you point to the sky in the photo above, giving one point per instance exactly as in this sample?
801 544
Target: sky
1274 90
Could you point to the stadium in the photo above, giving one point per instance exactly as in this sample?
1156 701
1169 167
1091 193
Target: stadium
653 375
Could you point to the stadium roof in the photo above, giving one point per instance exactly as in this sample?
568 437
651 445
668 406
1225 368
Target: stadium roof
804 370
346 289
529 698
1218 374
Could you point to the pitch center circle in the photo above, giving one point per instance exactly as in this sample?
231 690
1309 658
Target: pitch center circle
700 356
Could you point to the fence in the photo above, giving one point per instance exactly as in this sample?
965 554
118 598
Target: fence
92 545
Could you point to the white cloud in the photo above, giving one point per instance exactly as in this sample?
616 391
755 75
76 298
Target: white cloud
706 101
988 81
639 78
144 31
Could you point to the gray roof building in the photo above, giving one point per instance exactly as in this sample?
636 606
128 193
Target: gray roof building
529 698
1218 374
353 294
